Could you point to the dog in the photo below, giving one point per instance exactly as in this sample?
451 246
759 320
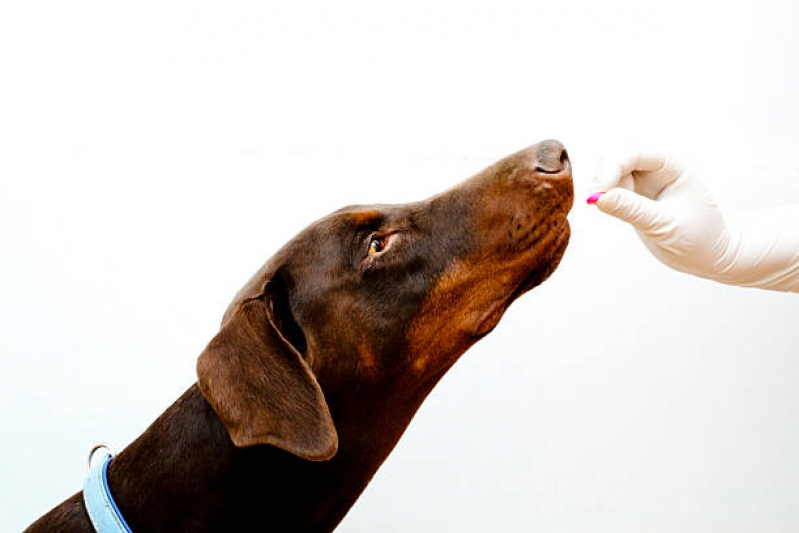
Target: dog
327 352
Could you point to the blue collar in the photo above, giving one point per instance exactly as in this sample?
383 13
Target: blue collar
100 505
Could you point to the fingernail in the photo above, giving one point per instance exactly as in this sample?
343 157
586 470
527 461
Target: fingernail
594 197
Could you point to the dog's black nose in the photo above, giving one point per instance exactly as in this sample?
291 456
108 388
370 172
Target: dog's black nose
550 157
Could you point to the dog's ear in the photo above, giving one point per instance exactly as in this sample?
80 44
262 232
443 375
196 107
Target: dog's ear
261 387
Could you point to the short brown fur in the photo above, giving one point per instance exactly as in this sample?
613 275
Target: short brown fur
325 355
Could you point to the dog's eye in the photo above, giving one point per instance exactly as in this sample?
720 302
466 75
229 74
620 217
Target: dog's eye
376 245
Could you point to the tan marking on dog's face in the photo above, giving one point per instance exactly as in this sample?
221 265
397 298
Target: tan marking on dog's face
470 298
445 326
366 356
364 217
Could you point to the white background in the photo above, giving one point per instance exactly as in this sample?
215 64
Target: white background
154 154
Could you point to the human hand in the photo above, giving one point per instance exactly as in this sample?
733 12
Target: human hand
678 220
672 211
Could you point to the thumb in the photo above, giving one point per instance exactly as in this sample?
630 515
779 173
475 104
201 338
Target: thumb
645 215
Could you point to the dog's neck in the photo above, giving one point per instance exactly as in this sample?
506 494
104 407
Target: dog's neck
183 473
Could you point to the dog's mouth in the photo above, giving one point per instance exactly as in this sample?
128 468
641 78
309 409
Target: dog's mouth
539 273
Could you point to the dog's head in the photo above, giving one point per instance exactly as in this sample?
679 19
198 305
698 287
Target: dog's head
383 298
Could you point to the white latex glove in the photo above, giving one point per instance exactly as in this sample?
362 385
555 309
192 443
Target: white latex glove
676 217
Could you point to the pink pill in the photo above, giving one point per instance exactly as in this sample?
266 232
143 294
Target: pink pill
594 197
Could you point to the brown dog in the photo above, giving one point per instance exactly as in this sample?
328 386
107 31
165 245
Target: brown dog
328 351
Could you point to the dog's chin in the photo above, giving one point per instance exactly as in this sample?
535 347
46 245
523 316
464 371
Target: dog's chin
540 271
545 268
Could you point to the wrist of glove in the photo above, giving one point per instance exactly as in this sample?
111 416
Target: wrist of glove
680 223
763 250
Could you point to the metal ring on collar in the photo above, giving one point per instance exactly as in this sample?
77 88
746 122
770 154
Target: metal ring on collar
95 449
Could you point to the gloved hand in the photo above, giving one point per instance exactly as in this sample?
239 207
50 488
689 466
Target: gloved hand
680 223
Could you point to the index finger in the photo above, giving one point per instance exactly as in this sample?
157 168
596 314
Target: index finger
612 172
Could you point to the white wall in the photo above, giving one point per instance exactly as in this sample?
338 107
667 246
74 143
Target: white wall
152 156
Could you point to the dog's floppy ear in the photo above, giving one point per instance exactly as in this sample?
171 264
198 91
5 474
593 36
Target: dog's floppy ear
261 387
